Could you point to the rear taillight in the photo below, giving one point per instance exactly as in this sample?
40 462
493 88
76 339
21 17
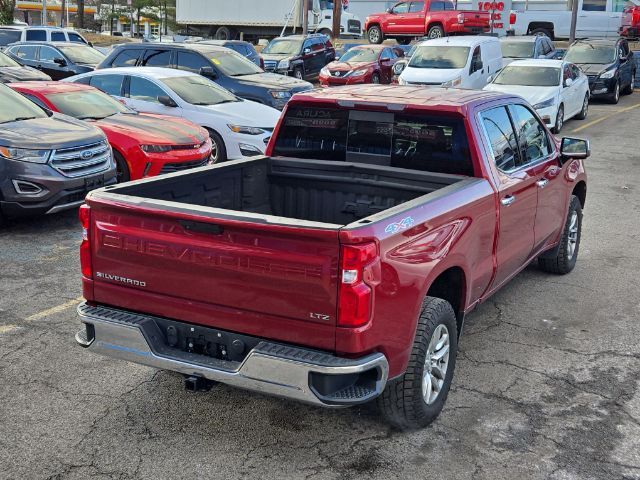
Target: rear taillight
359 272
461 18
512 18
85 247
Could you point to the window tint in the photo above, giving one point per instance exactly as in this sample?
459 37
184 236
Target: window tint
58 37
307 44
317 45
8 36
594 5
416 7
26 52
436 6
36 100
143 89
48 54
575 72
156 58
36 36
111 84
476 60
532 137
566 73
448 5
74 37
191 62
501 138
401 8
126 58
387 54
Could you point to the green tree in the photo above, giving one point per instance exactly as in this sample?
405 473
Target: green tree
7 8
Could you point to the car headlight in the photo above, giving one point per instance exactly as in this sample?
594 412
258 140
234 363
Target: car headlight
547 103
155 148
325 71
280 94
283 65
25 154
357 73
608 73
453 83
246 130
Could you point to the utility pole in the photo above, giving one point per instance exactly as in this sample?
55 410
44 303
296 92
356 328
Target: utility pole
64 5
574 20
113 16
44 12
305 17
337 14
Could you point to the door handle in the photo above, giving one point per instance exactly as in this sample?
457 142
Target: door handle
508 200
542 182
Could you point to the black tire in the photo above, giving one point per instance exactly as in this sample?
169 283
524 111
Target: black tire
565 259
435 32
375 78
402 403
219 151
542 31
585 108
298 73
404 40
614 98
629 90
223 33
375 35
122 169
559 120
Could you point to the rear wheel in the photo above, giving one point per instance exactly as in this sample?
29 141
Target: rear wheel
417 398
542 31
374 34
223 33
404 40
298 73
218 149
122 169
629 89
435 32
585 108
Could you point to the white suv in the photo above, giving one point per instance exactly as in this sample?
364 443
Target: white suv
11 34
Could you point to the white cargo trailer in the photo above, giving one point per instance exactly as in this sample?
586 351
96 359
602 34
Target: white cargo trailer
230 19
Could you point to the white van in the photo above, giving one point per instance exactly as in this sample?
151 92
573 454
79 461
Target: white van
463 62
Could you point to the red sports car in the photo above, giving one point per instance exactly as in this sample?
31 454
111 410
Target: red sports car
362 64
144 145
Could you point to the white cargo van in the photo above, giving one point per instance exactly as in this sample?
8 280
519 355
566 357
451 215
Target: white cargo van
463 62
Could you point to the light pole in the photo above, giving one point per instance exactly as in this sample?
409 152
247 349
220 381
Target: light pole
44 12
574 20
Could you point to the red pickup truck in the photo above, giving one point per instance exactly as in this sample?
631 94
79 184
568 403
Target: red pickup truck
339 268
433 18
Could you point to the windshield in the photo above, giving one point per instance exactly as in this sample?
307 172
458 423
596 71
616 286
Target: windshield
82 54
7 61
529 76
87 104
284 46
517 49
8 36
439 57
585 53
13 107
232 63
360 55
197 90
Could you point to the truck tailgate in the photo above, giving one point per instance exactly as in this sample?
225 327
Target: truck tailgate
249 277
476 18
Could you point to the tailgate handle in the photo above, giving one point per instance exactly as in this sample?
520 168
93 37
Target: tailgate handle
201 227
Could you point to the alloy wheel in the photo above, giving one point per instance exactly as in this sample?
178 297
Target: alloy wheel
572 237
436 363
215 151
373 36
559 119
585 106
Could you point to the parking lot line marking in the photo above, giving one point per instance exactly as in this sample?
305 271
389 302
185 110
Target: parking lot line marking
57 309
606 117
7 328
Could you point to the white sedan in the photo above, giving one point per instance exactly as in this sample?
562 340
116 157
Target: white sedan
238 128
558 90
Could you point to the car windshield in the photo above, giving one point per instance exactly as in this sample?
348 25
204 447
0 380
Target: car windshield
9 35
82 54
439 57
529 76
6 61
232 64
14 107
87 104
284 46
586 53
197 90
517 49
360 55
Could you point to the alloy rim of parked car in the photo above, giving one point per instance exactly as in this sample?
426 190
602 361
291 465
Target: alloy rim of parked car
436 363
572 239
560 119
374 35
585 106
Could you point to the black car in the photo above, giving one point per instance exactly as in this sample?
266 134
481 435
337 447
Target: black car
608 63
299 56
245 49
225 67
57 59
12 71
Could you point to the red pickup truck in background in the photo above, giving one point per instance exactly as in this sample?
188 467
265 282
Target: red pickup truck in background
433 18
339 268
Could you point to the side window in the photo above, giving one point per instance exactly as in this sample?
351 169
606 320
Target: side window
501 138
58 37
387 54
594 5
26 52
156 58
36 36
144 90
416 7
436 6
126 58
566 73
191 62
74 37
83 81
111 84
36 100
476 60
401 8
575 72
532 136
48 54
448 5
306 44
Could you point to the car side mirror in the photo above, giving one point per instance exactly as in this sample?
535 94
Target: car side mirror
574 149
399 67
167 101
490 79
306 51
90 44
208 72
568 82
60 61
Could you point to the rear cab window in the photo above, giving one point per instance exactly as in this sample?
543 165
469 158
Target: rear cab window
58 37
36 36
410 141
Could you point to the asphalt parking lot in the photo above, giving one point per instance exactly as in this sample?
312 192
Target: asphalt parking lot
546 385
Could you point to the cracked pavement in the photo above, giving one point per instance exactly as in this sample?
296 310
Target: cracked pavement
546 385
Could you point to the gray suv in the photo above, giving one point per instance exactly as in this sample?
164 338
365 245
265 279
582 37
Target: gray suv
48 161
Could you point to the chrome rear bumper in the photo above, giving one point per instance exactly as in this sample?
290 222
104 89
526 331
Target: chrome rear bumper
271 368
